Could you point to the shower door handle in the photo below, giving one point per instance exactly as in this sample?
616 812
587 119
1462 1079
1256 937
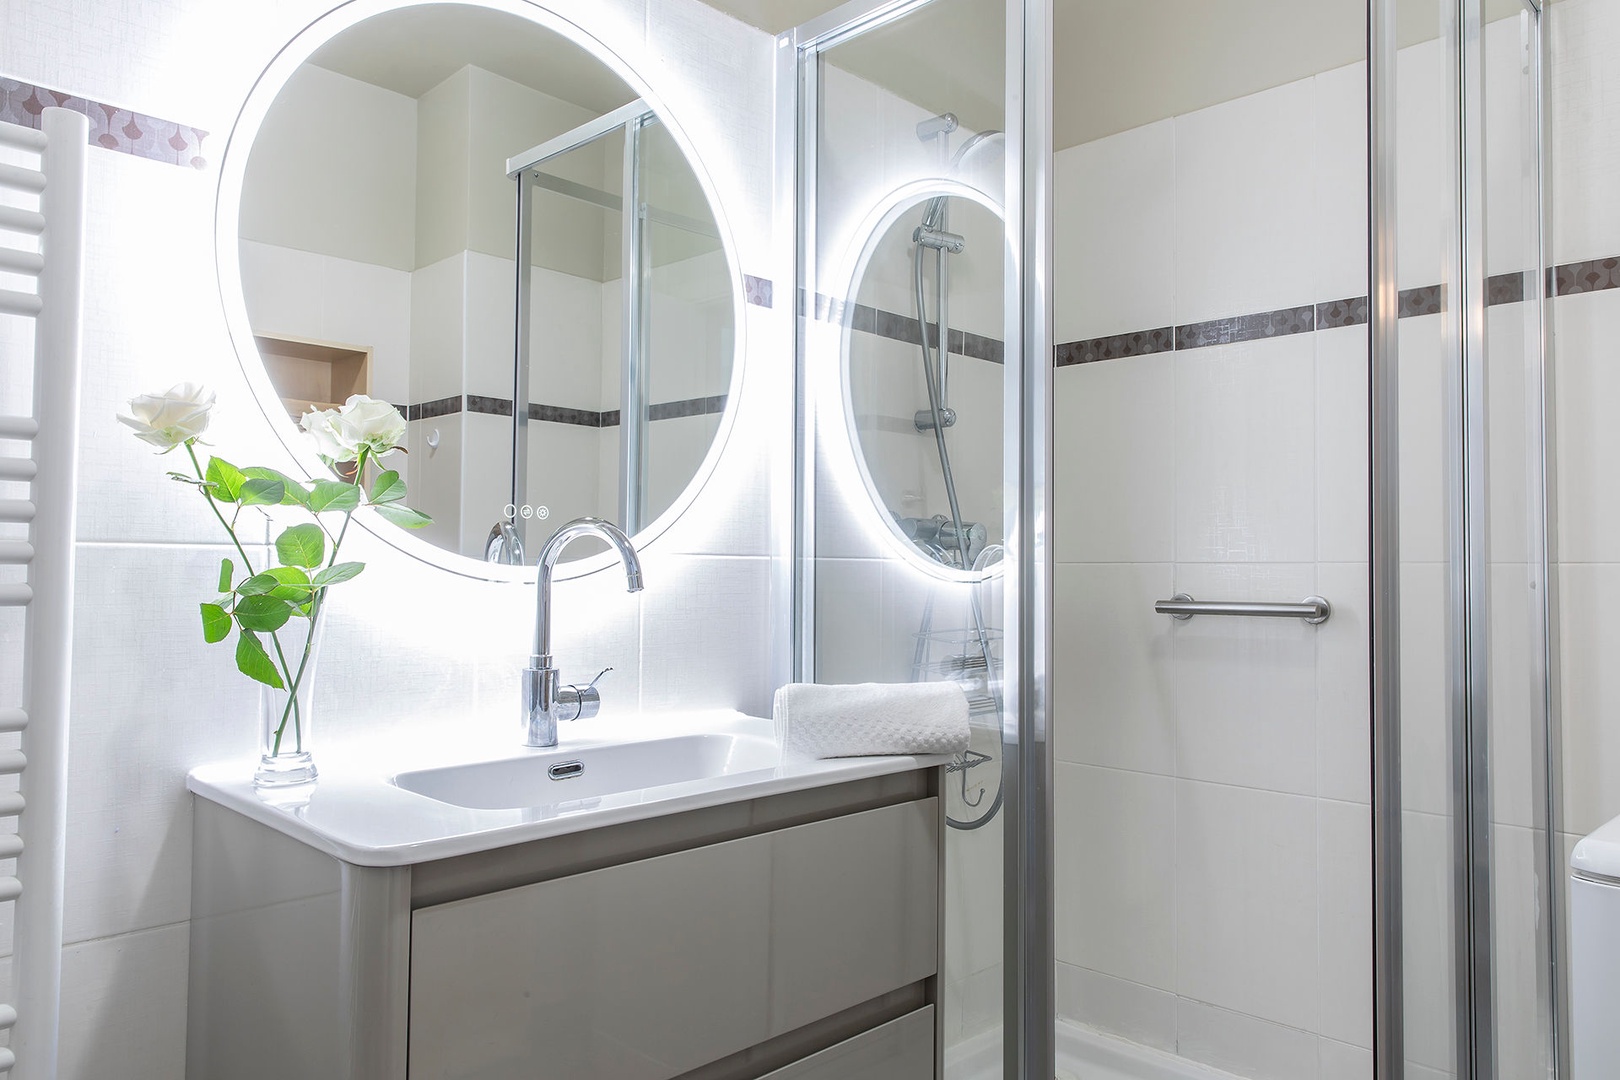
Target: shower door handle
1313 609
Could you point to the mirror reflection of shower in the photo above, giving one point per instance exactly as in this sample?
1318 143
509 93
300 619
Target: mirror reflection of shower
924 381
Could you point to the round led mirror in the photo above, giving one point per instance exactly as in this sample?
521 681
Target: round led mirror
474 212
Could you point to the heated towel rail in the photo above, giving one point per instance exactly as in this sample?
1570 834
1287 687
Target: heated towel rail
41 244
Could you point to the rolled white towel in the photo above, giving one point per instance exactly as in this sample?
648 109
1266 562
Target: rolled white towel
861 719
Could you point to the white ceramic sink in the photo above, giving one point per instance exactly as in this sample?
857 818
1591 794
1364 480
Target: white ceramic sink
577 779
416 800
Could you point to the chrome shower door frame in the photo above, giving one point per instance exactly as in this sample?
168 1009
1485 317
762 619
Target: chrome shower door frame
1029 1007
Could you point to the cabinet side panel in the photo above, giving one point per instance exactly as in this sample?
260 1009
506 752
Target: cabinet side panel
263 997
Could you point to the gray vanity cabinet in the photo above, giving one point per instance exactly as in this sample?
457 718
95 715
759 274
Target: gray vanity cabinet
796 937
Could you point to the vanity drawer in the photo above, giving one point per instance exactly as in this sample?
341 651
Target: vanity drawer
648 969
902 1049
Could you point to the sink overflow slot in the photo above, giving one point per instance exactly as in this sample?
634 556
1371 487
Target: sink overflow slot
566 770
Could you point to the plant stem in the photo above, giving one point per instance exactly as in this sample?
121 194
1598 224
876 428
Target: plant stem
247 564
315 603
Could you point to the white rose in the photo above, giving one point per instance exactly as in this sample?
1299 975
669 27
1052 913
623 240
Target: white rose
322 426
169 419
375 425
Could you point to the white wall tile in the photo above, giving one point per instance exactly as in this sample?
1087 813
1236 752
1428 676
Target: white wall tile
1246 451
1243 691
1244 1045
1132 1011
1585 138
141 717
1342 470
1341 182
1111 697
1246 902
706 637
1344 920
1429 965
1246 204
1590 641
1425 682
124 1006
1117 883
1115 238
1588 384
1114 463
1343 745
1341 1061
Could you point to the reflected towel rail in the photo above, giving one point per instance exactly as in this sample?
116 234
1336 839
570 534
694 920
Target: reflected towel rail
1313 609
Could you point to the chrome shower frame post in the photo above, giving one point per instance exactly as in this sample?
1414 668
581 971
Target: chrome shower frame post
1030 1042
634 273
520 364
1388 949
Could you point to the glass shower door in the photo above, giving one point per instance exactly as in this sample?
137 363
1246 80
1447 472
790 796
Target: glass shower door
1211 729
910 386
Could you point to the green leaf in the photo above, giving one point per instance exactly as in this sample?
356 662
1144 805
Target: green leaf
226 569
301 545
333 495
293 492
263 613
387 488
226 478
254 662
337 572
404 516
257 492
216 623
289 583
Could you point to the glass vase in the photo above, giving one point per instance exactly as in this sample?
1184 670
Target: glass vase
286 716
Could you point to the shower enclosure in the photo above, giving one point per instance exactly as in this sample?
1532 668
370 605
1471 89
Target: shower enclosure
1178 387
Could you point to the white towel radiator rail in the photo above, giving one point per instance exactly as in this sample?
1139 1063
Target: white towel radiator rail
51 467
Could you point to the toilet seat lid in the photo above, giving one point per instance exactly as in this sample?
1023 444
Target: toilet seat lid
1598 855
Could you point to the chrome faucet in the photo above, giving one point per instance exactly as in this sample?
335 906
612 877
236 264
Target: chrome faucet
545 699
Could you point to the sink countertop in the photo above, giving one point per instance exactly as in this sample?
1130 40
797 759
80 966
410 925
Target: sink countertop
355 812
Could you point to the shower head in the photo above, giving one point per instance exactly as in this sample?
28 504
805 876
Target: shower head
976 149
988 140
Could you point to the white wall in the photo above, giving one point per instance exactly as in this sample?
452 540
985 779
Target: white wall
411 653
1212 815
333 171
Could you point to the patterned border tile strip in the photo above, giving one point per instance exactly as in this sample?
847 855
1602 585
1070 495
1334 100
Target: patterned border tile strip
562 414
903 328
426 410
1350 312
698 406
111 128
1116 347
1280 323
489 406
1593 275
758 291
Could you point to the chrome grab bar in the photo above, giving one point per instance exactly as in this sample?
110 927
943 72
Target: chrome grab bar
1313 609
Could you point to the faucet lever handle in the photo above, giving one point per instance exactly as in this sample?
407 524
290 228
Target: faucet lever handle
599 675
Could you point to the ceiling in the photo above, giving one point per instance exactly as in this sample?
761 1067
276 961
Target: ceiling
1119 64
411 50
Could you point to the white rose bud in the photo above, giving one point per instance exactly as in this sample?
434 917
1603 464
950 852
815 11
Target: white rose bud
322 426
169 419
375 425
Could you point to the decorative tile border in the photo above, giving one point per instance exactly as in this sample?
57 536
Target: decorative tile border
1594 275
111 128
1566 280
560 414
758 291
1280 323
1116 347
